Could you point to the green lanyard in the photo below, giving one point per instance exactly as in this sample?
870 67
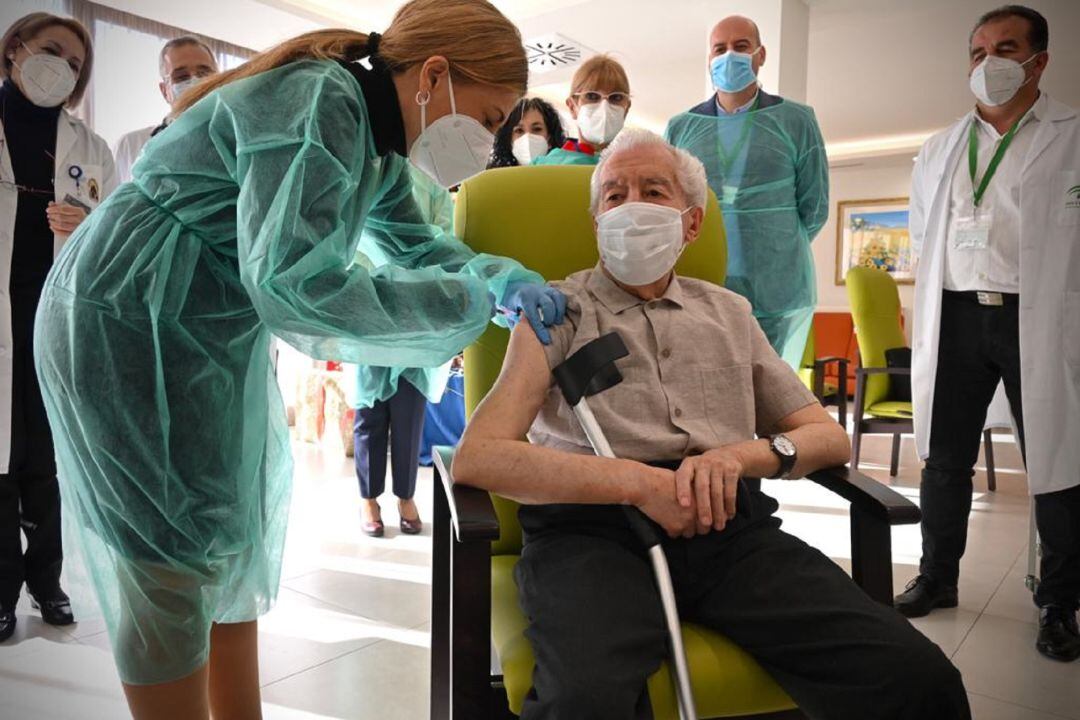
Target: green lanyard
725 159
973 157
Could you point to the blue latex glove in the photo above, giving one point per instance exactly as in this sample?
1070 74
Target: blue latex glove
542 306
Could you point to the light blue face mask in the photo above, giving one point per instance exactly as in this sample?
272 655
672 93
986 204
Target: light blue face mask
733 71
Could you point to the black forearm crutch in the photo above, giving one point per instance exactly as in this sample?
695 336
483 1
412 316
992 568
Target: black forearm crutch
589 371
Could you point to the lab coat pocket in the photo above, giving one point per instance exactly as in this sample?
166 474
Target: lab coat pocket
1071 328
729 402
1067 199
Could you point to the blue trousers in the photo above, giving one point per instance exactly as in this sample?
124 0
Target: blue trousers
398 422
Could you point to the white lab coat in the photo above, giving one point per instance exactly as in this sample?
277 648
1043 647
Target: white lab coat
76 145
1049 289
128 149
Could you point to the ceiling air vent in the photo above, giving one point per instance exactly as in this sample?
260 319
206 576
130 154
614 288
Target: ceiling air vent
554 52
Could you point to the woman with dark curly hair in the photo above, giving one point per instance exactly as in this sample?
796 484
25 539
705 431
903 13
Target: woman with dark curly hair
532 129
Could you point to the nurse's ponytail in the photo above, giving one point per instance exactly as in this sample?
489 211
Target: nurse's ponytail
480 43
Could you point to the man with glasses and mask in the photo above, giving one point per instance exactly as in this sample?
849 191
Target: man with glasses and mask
183 62
995 217
765 160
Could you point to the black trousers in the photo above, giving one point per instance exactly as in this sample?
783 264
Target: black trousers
1057 516
30 503
597 628
29 493
399 422
980 347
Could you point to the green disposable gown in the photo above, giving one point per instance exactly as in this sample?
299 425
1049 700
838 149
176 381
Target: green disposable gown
243 220
562 156
768 168
375 383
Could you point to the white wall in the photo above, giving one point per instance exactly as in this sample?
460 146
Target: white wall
914 78
873 179
247 23
794 49
881 67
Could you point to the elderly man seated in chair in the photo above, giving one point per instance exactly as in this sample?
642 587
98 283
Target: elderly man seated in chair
705 403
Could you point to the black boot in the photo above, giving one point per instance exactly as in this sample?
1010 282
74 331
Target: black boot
7 623
55 609
1059 638
922 595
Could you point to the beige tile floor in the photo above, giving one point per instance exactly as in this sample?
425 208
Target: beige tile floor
349 636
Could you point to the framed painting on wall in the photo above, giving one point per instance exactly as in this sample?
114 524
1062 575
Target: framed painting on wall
874 233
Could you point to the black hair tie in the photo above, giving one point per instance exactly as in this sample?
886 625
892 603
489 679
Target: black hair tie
373 43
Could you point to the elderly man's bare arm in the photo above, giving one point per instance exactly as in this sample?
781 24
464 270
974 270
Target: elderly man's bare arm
494 455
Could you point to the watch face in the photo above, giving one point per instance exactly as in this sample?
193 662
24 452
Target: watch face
783 445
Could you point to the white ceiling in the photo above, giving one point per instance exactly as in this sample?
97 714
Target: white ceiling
877 69
376 14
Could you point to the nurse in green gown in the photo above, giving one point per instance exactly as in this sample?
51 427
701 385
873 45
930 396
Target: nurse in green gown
243 220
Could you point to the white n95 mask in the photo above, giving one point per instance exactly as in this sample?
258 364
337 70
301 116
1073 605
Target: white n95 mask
453 148
640 242
600 122
528 147
178 89
996 80
47 81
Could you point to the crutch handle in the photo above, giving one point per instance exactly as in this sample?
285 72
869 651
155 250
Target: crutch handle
591 369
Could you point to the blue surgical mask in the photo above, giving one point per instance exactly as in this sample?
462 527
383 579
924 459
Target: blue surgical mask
733 71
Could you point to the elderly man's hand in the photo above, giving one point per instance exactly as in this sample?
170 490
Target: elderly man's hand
708 484
660 502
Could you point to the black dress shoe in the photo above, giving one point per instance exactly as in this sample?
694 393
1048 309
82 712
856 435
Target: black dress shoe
7 624
1059 637
56 610
923 595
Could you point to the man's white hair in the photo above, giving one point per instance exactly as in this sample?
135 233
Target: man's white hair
689 172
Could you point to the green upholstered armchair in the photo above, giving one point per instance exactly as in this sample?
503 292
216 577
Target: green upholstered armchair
812 373
540 216
875 307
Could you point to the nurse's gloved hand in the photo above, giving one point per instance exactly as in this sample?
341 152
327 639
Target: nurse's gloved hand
542 306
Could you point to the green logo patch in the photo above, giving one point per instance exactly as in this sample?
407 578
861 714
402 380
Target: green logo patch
1072 198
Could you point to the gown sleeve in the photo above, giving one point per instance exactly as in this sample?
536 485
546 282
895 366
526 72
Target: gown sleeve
812 178
307 176
397 232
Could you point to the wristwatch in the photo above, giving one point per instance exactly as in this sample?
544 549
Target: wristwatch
784 449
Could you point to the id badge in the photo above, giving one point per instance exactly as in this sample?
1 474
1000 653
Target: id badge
972 233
